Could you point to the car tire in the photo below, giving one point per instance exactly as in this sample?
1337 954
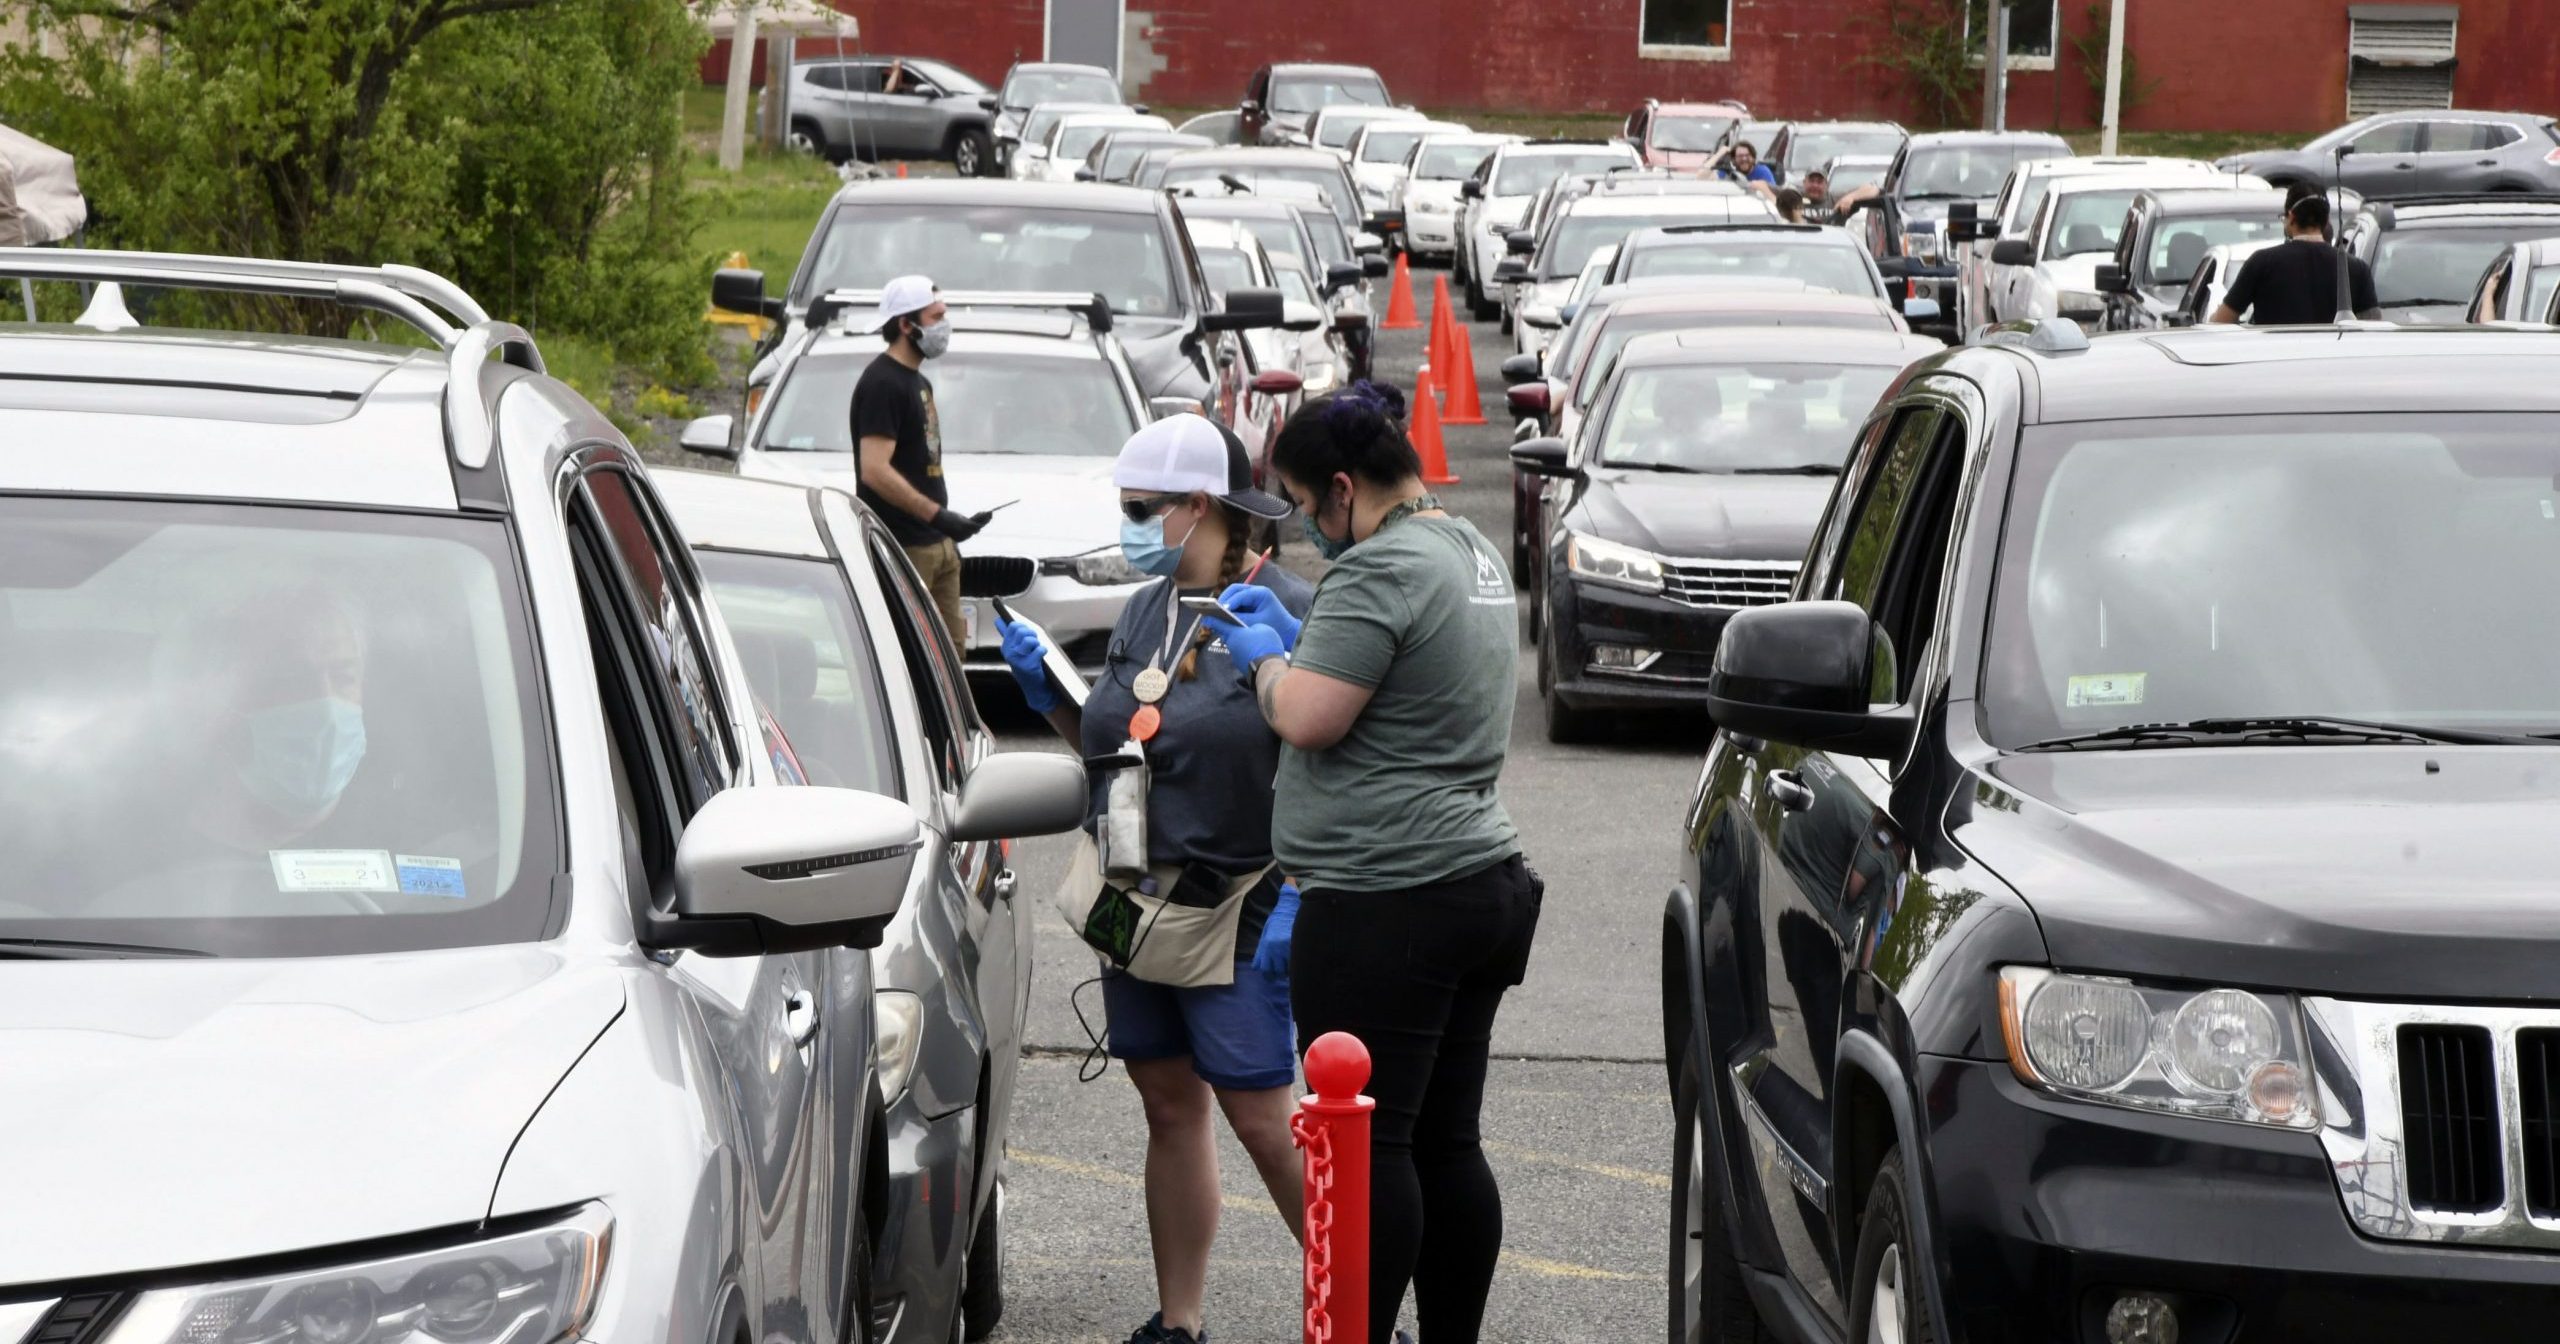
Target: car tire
806 138
859 1297
1566 725
1487 308
1889 1293
982 1277
972 150
1709 1300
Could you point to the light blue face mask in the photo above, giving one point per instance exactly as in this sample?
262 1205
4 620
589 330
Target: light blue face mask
1144 547
1326 546
302 755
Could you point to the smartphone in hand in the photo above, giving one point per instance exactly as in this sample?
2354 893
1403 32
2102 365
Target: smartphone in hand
1210 606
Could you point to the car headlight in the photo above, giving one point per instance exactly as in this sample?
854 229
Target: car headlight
527 1287
1098 569
900 1016
2222 1054
1921 242
1609 563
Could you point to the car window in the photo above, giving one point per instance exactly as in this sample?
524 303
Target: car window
1690 134
2391 137
863 78
1385 144
2166 570
2181 242
1065 405
1962 171
2440 266
1809 147
2469 137
2085 222
1307 93
1575 237
1335 132
1528 174
655 597
931 664
999 247
1820 265
1029 88
1327 179
1449 163
255 731
809 661
948 78
1897 541
1280 237
1077 139
1740 418
824 76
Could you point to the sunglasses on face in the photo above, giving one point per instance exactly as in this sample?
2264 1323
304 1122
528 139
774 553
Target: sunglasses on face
1140 510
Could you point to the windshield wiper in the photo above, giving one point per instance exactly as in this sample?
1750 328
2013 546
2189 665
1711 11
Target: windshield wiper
1801 469
1673 467
77 949
2259 731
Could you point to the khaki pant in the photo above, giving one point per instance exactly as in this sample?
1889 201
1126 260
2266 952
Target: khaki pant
939 566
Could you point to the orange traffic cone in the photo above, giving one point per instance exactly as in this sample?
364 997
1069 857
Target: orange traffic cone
1460 380
1443 351
1426 434
1400 313
902 168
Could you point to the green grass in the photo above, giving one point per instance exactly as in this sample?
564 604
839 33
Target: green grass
2206 145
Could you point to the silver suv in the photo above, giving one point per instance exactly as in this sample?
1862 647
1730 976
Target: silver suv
408 905
891 107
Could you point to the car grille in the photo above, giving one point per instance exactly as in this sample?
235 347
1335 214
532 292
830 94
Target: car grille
2538 1076
2449 1118
1728 583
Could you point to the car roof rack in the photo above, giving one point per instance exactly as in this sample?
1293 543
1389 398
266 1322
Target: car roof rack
404 292
1095 309
2042 335
1738 226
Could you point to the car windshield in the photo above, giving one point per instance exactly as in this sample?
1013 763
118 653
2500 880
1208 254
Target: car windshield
1833 266
1690 134
1449 163
1123 153
2180 242
1280 237
1045 118
952 79
2086 221
1227 268
1577 236
1333 241
1848 177
254 731
810 664
1326 179
1063 405
1294 94
1813 148
1527 174
1388 144
1030 88
2417 266
1965 172
1336 132
982 247
1076 139
1740 417
2162 571
1591 372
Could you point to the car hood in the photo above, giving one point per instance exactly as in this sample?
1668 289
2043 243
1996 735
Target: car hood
165 1113
2406 873
1708 517
1930 212
1377 176
1439 191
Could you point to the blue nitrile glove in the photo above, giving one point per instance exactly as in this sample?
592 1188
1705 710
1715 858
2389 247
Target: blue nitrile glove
1271 955
1247 644
1022 657
1261 606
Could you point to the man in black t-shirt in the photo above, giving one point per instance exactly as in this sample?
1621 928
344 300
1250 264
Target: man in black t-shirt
898 444
2295 282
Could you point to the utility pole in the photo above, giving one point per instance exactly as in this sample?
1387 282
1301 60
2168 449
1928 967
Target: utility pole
733 109
1993 64
2115 76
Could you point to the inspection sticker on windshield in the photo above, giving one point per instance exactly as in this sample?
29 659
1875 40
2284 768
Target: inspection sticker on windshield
426 875
333 870
2112 688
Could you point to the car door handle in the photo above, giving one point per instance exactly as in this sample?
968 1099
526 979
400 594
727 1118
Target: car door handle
1790 791
1004 885
800 1016
2486 163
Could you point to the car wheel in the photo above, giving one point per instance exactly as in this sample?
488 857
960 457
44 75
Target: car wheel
1889 1298
1486 307
971 152
1566 726
806 138
857 1324
982 1278
1708 1298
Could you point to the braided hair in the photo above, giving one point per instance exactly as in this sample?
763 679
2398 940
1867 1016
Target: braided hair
1230 569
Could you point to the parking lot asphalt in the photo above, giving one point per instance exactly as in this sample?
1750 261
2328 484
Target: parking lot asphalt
1577 1119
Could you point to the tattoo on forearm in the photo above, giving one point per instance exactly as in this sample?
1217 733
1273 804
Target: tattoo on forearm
1266 680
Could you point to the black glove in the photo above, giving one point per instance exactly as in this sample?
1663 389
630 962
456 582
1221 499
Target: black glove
958 527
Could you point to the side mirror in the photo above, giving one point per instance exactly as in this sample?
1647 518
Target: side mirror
1296 316
1964 210
1519 242
1963 230
2113 280
1368 241
1569 312
1921 310
1019 793
709 436
1277 382
1140 108
2013 252
1087 175
1374 265
1165 408
1471 189
1509 269
1542 315
1541 456
1531 398
1799 673
1518 369
989 104
1343 275
1247 310
1249 108
740 290
808 866
1893 268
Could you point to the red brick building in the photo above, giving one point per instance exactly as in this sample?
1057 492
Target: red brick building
2272 65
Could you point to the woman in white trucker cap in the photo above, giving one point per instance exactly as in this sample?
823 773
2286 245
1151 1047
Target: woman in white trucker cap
1179 914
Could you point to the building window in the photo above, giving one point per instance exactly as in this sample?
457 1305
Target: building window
2033 26
2399 57
1684 30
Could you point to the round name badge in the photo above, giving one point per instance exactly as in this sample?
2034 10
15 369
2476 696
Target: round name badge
1150 685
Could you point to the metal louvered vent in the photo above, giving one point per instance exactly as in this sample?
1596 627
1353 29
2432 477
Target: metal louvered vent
2538 1094
75 1320
2399 58
2449 1117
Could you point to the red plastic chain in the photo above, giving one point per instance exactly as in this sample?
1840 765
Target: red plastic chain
1316 1138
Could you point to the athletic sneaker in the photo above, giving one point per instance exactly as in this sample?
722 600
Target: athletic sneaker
1155 1331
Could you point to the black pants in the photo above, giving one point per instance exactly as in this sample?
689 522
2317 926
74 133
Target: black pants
1417 975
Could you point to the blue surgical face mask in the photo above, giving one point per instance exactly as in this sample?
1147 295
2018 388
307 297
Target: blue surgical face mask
1143 546
302 755
1325 546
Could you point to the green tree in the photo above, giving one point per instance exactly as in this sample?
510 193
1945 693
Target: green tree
529 148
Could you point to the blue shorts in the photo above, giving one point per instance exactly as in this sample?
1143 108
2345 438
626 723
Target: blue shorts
1238 1036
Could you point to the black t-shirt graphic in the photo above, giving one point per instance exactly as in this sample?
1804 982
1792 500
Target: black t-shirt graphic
2296 281
896 402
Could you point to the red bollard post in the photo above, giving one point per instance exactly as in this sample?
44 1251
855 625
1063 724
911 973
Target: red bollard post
1333 1127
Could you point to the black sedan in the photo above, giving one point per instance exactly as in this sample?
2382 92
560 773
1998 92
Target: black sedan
1690 493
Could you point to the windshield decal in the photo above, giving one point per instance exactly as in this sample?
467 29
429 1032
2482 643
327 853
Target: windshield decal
333 870
428 875
2105 688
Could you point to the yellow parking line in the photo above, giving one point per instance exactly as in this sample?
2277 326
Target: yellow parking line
1650 1179
1558 1269
1106 1176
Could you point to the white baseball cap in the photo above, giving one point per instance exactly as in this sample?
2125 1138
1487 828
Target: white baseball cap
903 295
1183 453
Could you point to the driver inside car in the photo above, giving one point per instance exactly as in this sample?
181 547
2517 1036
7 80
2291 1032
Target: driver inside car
1688 422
